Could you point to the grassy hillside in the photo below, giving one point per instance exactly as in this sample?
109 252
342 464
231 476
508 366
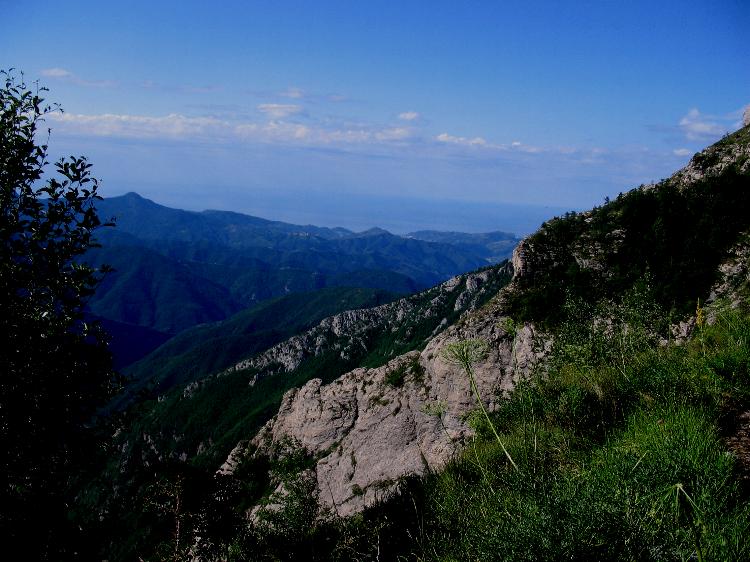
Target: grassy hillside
625 443
615 461
188 432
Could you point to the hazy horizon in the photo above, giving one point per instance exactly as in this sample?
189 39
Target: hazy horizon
360 213
347 113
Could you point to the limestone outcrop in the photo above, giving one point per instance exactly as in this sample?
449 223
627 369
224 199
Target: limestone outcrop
371 427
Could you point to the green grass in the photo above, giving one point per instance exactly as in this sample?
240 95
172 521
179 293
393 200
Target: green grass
614 465
616 461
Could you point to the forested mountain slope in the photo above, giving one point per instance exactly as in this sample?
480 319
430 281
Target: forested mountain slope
255 259
203 420
211 347
176 269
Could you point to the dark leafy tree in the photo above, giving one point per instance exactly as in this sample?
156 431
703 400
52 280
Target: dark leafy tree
55 369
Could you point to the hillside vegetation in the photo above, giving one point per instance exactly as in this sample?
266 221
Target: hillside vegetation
616 460
618 360
676 232
185 433
204 420
626 442
209 348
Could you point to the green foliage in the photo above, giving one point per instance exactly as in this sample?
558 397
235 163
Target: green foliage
465 354
56 370
208 349
397 376
227 409
616 460
675 235
616 442
416 328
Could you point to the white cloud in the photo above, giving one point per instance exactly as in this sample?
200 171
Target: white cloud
463 141
344 136
393 134
697 126
521 147
279 110
66 75
293 93
180 127
408 116
139 126
682 152
283 131
273 128
479 142
56 73
514 146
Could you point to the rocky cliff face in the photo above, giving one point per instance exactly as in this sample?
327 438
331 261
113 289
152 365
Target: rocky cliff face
733 285
367 432
239 400
371 427
713 161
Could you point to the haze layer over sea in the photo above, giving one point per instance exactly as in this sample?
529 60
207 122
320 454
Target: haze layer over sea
359 212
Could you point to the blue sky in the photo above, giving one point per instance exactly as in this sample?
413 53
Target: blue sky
452 115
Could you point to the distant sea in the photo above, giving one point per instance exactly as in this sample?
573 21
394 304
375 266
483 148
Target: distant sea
404 215
398 215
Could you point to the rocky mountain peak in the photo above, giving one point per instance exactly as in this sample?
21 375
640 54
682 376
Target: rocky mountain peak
731 152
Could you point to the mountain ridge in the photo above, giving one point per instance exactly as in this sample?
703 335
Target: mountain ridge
255 259
174 269
239 396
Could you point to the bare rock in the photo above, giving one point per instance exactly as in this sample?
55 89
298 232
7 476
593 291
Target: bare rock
367 432
734 277
520 259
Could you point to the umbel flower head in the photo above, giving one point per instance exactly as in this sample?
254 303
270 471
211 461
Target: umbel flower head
465 353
